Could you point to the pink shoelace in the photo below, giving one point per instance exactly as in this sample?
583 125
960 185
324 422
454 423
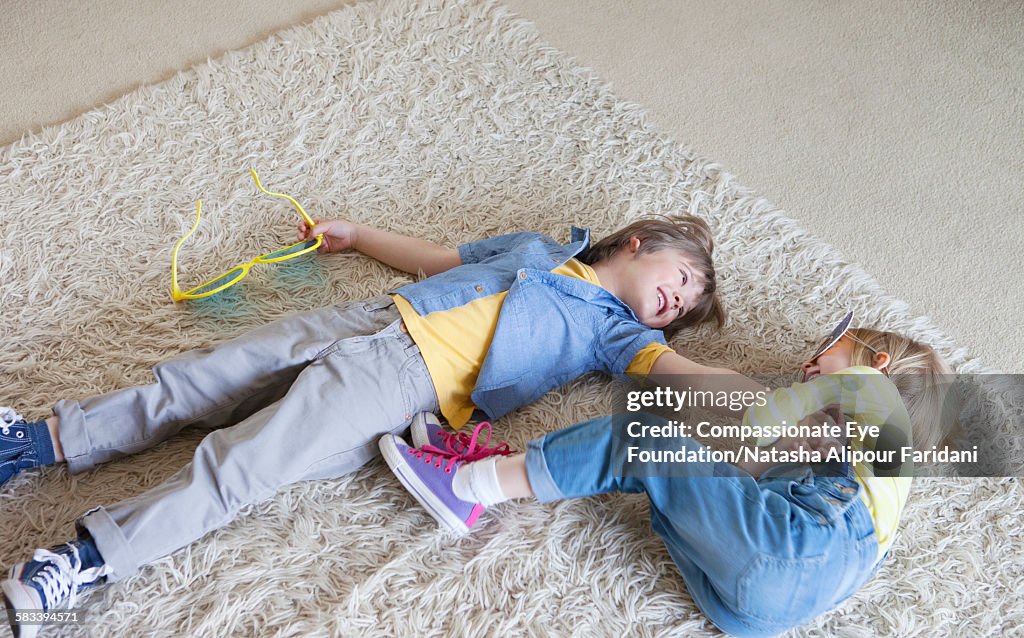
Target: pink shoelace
461 448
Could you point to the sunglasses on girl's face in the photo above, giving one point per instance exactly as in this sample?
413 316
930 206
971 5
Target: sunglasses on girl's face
236 274
840 331
829 342
834 337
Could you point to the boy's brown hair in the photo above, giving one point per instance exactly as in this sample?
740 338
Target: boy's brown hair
689 235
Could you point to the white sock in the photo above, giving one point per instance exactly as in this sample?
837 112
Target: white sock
477 482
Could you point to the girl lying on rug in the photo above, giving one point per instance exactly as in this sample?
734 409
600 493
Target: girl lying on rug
760 551
500 322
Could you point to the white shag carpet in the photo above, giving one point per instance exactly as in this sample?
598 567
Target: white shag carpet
453 121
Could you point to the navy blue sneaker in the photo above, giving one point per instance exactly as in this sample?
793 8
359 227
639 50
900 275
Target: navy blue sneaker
22 444
51 580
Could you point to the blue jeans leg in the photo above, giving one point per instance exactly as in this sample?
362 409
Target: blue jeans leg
755 562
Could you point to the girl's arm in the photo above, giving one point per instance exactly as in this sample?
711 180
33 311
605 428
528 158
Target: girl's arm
409 254
700 377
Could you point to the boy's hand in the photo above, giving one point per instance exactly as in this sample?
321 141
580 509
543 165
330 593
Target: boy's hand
823 445
338 234
829 415
408 254
819 444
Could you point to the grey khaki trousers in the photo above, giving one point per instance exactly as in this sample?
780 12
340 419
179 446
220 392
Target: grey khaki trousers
305 397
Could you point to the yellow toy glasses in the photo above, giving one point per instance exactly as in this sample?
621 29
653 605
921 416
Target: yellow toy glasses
236 274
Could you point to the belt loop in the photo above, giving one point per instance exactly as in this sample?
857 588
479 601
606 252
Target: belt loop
410 343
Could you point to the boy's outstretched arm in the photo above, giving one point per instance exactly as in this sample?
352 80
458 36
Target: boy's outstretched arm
409 254
673 368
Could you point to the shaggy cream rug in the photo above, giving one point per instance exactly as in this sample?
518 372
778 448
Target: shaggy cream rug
453 121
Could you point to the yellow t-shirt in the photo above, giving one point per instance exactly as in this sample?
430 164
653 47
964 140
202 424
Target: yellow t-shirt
455 342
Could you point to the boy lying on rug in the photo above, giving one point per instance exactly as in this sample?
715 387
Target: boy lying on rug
500 322
760 551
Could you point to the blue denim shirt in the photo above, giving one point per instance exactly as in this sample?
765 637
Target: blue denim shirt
551 328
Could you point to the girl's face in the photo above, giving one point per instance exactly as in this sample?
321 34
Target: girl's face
836 358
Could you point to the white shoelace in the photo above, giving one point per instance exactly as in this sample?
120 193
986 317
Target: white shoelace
8 417
63 576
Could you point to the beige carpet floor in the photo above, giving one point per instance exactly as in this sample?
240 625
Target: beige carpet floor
891 131
453 121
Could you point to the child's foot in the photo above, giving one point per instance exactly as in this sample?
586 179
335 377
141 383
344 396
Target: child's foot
22 444
426 430
428 472
428 477
51 580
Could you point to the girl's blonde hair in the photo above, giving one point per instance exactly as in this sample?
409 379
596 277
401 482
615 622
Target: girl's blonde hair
924 382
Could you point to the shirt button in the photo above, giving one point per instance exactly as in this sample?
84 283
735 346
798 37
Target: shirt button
479 288
522 275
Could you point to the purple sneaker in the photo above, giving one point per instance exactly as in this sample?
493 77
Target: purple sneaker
428 472
426 430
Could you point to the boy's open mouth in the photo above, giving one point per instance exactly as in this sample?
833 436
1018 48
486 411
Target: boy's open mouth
662 301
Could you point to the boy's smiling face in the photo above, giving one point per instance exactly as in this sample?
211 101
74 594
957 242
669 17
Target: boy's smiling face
658 286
